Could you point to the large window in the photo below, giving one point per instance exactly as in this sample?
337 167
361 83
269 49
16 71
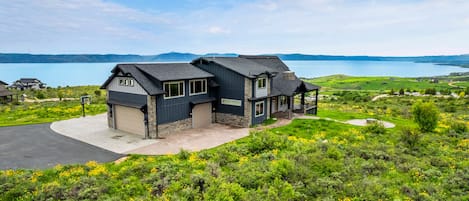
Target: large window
261 83
173 89
198 87
259 109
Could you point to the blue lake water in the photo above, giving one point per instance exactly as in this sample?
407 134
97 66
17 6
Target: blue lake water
72 74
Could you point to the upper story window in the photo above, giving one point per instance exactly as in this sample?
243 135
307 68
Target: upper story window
126 82
173 89
198 87
261 83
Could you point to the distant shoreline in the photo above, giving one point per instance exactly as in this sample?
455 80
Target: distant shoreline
451 60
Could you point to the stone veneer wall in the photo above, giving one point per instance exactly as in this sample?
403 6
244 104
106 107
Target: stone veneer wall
152 124
167 129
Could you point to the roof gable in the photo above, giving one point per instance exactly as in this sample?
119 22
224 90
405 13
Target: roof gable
239 65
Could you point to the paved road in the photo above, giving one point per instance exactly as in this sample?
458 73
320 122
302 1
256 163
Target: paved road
37 146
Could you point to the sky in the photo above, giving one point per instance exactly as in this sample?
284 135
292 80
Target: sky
148 27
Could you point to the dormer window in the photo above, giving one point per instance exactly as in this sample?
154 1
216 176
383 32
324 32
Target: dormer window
261 83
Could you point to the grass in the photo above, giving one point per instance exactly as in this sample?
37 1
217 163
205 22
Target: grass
16 113
305 160
377 84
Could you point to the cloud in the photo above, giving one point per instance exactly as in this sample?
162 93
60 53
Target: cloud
218 30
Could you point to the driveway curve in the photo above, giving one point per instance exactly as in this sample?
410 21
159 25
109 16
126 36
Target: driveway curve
37 146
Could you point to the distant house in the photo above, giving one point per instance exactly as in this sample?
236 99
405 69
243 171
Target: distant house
5 95
159 98
27 83
2 83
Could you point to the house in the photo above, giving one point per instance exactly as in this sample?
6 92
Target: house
5 95
2 83
27 83
159 98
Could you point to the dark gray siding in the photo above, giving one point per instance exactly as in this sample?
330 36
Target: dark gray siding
231 86
174 109
259 120
127 99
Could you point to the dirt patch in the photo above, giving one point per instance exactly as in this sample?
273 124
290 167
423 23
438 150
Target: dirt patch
363 122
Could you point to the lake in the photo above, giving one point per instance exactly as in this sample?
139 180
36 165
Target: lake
72 74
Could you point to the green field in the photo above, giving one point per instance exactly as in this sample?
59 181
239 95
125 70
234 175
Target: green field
305 160
17 113
382 84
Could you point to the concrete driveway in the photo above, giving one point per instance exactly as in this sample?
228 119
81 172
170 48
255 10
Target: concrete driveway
94 130
37 146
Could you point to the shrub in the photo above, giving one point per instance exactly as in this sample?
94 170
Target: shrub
97 93
401 91
430 91
374 128
410 137
459 127
425 115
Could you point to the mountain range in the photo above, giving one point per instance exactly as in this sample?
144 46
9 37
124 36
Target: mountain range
457 60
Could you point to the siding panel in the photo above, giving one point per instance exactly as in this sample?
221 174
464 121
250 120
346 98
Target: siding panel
231 87
136 89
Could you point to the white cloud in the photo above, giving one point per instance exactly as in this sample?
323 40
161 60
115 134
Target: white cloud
218 30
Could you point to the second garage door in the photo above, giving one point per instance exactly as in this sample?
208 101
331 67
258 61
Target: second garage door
202 115
129 119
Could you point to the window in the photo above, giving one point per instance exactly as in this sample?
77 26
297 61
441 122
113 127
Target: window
259 109
173 89
261 83
198 87
283 100
126 82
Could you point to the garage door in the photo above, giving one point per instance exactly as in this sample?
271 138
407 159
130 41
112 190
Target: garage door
129 119
202 115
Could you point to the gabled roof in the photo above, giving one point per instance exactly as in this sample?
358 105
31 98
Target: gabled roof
270 61
4 92
28 80
147 74
3 83
240 65
173 71
281 86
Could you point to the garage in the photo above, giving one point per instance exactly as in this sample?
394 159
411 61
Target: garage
202 115
129 119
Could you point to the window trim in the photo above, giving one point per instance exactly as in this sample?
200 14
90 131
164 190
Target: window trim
264 82
174 82
197 80
263 109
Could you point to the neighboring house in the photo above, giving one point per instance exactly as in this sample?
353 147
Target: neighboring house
27 83
5 95
2 83
157 99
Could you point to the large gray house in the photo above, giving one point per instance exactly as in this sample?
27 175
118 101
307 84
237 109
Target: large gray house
159 98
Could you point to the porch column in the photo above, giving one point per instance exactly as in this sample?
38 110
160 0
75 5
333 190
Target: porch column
302 101
291 107
316 102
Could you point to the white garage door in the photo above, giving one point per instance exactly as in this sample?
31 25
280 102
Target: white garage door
129 119
202 115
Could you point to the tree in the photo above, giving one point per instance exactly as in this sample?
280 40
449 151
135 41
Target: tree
425 115
401 91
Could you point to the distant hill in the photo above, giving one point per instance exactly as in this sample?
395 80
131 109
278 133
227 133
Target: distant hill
457 60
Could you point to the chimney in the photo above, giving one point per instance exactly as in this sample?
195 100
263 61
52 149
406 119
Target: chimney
289 75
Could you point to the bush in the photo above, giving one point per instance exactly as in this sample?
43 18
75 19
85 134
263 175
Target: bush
374 128
410 137
459 127
425 115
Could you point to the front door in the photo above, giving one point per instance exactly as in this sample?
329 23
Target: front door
202 115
